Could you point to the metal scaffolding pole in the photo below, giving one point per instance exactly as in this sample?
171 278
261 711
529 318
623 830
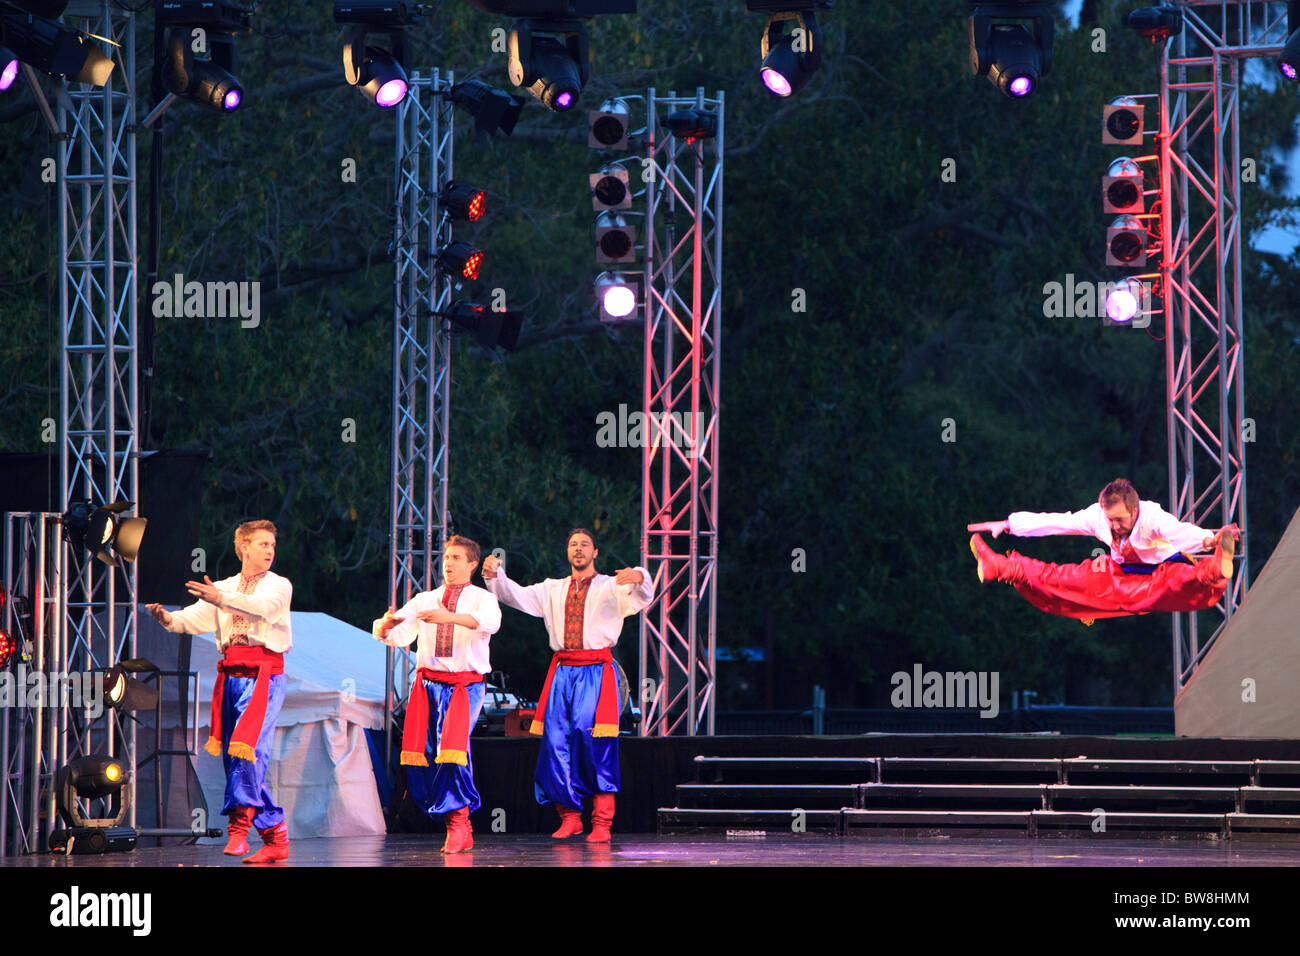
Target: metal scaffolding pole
1200 159
421 363
679 490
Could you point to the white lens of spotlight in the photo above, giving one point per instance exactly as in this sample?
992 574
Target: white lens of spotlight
619 301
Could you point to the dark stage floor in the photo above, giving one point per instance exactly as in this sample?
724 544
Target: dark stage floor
493 850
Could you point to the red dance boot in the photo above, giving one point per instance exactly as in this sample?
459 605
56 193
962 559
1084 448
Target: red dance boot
237 831
460 835
991 566
602 815
275 845
570 822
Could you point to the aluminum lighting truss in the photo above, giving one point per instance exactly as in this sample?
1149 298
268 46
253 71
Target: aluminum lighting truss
1200 159
99 434
679 490
421 363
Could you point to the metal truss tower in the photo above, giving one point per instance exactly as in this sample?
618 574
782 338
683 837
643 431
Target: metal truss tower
421 362
679 463
98 435
1200 160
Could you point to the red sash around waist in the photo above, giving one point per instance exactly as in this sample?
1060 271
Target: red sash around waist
453 742
243 660
606 724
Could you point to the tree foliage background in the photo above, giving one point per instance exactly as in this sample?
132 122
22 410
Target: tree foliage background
924 303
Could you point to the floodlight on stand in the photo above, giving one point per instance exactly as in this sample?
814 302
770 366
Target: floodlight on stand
549 59
1003 48
9 64
1126 242
108 537
615 238
790 59
607 127
463 203
1122 187
92 778
123 692
55 49
461 259
617 297
610 189
1121 122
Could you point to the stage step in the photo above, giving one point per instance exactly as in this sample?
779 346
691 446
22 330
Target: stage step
1028 795
777 796
781 769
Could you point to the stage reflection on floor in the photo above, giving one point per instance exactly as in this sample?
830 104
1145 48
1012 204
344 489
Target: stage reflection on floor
810 849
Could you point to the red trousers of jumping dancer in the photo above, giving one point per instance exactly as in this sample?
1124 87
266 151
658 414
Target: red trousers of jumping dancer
1078 591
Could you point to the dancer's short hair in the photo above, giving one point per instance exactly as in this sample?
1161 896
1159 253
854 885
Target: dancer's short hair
570 535
471 547
1121 489
244 533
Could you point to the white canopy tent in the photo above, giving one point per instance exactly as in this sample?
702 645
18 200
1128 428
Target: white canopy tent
322 772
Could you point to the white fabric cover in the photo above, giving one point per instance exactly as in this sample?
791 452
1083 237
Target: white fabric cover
321 773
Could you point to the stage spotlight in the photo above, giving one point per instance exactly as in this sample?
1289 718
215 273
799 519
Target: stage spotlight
1155 23
461 259
92 778
55 49
615 239
204 82
1288 61
616 297
549 58
1126 242
607 127
692 124
100 531
1122 187
490 328
123 692
376 73
463 203
790 59
610 189
9 65
1121 122
491 108
1003 48
1124 301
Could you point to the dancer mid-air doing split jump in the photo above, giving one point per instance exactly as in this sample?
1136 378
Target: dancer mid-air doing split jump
1147 568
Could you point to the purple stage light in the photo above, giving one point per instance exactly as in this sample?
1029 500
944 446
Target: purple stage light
619 301
564 100
8 76
1021 86
775 82
232 99
391 93
1287 70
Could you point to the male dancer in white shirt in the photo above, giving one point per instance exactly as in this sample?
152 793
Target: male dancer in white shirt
1145 571
577 713
249 613
453 625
